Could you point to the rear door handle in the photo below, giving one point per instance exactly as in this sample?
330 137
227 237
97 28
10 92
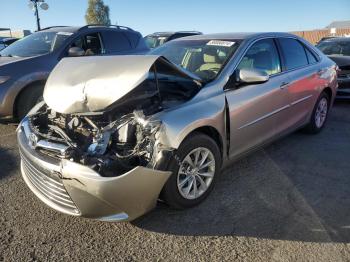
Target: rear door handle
284 84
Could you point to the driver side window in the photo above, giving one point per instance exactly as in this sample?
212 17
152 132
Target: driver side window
90 43
262 55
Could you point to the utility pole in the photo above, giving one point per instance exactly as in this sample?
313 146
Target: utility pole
33 4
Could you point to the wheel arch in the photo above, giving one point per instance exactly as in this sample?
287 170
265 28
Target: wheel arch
329 92
25 87
212 132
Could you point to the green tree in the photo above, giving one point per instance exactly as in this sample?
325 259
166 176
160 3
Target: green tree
97 13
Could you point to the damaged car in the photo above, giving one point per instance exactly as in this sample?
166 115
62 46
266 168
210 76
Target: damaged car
115 134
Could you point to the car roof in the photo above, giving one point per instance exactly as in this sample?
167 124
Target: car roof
69 29
236 36
337 39
174 32
74 29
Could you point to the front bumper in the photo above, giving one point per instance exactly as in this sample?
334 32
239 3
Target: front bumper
78 190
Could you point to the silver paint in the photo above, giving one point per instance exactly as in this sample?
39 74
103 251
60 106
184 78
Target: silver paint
253 115
118 198
85 84
88 84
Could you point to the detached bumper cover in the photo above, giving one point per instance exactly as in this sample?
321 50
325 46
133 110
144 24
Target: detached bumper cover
75 189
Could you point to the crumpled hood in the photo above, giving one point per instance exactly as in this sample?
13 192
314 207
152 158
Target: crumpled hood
85 84
90 84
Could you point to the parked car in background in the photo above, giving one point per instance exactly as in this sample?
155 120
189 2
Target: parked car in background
338 49
156 39
6 41
26 64
114 134
327 38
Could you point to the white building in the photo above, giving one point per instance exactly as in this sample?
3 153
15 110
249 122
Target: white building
18 33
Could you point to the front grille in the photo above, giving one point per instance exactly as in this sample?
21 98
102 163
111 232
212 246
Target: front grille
52 189
344 74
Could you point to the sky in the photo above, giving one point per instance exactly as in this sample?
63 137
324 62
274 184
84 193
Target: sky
208 16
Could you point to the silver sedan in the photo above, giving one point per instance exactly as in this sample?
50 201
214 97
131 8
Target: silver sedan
116 133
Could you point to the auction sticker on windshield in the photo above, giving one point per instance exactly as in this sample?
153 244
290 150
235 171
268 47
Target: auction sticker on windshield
220 43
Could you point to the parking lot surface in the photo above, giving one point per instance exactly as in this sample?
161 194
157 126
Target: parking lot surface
289 201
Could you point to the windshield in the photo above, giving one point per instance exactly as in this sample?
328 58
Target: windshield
155 41
39 43
335 47
204 58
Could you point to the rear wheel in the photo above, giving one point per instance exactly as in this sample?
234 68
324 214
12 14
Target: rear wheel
194 170
28 98
319 114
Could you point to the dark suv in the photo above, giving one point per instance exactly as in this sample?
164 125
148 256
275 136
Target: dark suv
26 64
156 39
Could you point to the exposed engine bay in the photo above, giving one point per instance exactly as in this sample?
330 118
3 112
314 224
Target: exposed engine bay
109 146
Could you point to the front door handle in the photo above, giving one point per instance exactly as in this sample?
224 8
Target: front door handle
284 84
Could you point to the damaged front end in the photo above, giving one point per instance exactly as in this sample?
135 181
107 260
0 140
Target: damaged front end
93 167
102 161
109 145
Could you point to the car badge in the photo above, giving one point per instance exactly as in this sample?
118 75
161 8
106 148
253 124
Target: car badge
33 140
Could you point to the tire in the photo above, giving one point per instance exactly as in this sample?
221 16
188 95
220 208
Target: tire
171 193
28 98
319 115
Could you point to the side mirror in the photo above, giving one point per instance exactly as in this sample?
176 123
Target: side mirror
76 51
252 76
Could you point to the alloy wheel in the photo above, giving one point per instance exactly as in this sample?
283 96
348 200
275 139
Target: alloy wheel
321 112
196 173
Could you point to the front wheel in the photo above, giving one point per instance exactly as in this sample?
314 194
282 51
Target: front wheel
319 114
194 168
29 97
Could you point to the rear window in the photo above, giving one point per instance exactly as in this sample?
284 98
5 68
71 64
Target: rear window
134 38
155 41
310 56
293 52
116 41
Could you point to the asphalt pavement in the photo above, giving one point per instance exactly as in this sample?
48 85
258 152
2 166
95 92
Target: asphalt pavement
287 202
